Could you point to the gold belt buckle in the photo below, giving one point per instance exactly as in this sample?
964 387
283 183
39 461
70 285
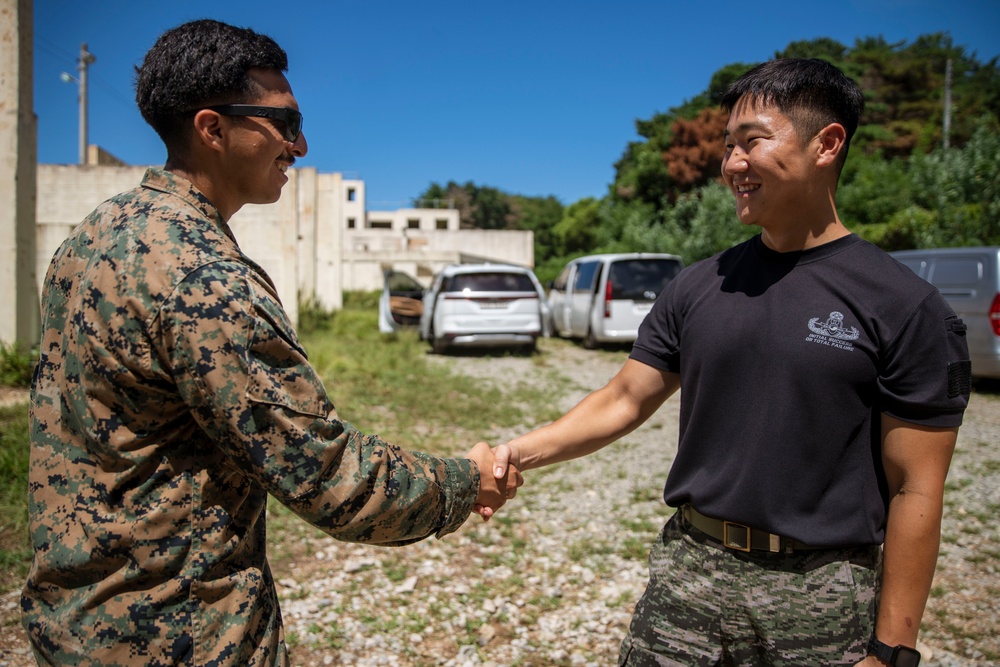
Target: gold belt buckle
732 543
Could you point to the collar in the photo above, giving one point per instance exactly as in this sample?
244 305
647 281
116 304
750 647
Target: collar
170 183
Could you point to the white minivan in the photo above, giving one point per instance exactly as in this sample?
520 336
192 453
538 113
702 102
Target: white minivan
969 279
484 305
604 298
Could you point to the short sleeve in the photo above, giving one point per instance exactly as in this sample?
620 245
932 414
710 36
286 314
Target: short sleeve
926 375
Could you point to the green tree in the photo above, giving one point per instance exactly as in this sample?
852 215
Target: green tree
823 48
576 232
539 215
704 222
962 187
873 188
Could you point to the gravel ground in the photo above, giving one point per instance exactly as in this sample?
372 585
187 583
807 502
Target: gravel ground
552 580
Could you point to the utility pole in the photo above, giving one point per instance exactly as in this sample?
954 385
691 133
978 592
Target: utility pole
86 58
947 103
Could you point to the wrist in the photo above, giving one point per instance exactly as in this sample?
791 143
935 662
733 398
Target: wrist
894 656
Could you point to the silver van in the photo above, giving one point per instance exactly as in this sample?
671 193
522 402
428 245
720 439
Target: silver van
604 298
969 279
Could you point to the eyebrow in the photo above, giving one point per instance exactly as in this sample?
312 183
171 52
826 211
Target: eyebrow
747 127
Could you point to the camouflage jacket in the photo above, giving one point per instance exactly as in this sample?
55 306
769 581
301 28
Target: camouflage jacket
172 395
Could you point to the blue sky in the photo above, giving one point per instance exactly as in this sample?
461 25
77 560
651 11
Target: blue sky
533 97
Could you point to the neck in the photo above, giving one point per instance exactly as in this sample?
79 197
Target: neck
803 239
206 184
806 227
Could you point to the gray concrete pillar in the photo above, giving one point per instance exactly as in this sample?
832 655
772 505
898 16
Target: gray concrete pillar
19 318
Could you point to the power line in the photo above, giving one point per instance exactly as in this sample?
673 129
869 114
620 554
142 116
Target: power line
54 49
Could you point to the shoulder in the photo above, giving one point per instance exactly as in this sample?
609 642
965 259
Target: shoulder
871 267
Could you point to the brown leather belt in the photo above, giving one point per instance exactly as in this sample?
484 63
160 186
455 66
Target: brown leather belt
739 537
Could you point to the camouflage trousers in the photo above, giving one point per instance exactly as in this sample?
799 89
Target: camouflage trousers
709 605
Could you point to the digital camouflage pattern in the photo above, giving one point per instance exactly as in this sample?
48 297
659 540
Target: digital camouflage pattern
709 605
172 395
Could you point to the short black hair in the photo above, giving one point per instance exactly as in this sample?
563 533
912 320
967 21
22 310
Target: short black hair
810 91
197 64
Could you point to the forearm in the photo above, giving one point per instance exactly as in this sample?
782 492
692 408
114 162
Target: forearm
359 488
913 533
916 461
604 416
581 431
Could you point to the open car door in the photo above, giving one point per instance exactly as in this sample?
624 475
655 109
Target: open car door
401 303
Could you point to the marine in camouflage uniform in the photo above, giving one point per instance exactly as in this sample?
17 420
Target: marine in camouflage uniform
172 396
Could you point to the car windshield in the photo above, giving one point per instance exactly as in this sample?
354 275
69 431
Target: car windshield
641 278
489 282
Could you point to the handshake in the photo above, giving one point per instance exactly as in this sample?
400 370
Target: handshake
499 476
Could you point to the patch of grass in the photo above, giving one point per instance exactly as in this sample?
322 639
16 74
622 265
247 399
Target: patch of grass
15 550
384 385
634 548
639 525
395 571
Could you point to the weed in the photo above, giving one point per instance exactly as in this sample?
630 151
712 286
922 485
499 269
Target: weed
639 525
634 548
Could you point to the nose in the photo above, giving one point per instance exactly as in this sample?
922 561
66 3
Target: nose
299 147
734 162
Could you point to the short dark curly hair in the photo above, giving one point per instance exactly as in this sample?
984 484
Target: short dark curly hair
811 92
198 64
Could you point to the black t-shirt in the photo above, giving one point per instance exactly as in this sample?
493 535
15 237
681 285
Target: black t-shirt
786 362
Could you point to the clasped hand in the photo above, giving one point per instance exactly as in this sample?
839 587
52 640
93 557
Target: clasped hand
499 478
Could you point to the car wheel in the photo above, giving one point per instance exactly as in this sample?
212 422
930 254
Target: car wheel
589 341
438 345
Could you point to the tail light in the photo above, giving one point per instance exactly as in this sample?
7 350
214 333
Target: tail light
995 314
607 300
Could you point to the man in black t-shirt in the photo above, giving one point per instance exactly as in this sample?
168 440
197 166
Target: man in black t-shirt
822 387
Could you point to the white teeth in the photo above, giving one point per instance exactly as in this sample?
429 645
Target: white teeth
746 187
283 167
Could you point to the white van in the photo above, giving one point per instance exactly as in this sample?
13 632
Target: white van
604 298
969 279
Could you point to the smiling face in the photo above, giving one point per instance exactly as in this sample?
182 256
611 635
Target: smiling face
259 155
769 167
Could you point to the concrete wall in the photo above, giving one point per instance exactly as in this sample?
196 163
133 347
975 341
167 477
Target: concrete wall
423 219
368 253
19 316
302 240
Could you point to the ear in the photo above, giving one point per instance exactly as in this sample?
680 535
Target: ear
209 128
831 140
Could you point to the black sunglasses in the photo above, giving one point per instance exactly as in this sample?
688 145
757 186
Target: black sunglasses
291 118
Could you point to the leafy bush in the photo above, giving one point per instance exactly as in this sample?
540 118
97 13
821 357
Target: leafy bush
16 365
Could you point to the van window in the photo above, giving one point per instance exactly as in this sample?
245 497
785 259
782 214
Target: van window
585 274
560 282
489 282
950 271
641 278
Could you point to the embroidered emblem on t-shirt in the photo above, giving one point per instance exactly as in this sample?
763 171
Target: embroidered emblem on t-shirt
832 332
